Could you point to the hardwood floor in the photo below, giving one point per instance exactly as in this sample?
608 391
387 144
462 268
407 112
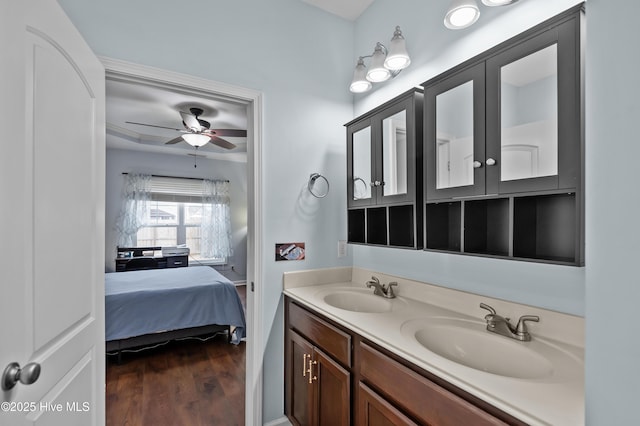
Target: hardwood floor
182 383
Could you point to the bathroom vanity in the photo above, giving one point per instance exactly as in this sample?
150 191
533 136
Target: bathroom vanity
423 357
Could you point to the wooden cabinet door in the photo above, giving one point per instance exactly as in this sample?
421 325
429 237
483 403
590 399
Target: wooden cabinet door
298 389
373 410
332 391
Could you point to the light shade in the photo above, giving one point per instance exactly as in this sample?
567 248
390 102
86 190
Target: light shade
397 57
196 139
377 72
360 83
461 14
492 3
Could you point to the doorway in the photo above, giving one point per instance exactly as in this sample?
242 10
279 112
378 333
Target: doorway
124 71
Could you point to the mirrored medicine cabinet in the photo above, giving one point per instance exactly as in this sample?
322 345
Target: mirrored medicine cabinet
502 171
384 174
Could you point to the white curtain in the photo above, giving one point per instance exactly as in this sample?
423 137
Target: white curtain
215 229
136 196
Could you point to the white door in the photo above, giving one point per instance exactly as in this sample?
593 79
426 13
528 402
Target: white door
51 218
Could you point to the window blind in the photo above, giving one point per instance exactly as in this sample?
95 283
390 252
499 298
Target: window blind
175 189
181 190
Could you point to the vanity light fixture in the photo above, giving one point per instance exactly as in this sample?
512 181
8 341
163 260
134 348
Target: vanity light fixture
196 139
385 64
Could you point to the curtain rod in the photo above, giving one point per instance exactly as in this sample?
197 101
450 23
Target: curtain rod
180 177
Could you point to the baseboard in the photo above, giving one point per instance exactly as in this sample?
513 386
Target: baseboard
282 421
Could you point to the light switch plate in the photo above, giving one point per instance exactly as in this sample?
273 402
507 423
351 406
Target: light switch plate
342 248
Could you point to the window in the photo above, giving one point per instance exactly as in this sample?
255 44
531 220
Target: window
173 223
164 211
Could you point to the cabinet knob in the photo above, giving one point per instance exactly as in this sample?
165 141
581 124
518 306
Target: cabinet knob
477 164
491 162
375 183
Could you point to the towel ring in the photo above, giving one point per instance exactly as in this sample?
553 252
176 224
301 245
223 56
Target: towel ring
356 193
312 181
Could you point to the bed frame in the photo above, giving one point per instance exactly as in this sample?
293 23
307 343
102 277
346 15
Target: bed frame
147 341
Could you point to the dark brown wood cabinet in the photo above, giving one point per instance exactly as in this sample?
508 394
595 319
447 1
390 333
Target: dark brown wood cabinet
374 410
335 377
317 374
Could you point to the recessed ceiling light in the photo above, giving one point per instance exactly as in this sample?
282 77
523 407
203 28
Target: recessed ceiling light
461 14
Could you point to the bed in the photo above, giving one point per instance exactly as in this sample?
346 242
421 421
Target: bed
151 306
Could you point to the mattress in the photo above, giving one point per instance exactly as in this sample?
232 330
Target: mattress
157 300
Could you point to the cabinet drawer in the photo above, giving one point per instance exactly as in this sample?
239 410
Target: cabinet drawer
177 261
418 396
327 337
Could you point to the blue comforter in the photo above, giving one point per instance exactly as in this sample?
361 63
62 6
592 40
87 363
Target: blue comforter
151 301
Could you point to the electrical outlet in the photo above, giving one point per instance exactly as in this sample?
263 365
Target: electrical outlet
342 248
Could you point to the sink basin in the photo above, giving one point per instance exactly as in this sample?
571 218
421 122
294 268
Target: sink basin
356 300
470 344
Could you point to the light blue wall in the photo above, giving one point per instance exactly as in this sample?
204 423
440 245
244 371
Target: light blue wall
435 49
613 203
247 43
124 161
300 58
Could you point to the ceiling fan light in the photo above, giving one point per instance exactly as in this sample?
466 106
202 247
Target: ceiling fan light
461 14
493 3
397 57
359 83
377 72
196 139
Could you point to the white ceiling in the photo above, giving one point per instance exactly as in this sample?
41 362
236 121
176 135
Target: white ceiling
347 9
132 101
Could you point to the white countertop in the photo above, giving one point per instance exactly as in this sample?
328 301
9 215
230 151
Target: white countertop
557 399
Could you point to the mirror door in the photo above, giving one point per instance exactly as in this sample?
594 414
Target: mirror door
396 153
530 93
360 155
454 119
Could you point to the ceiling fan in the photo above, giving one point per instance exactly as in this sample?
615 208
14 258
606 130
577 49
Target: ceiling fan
198 132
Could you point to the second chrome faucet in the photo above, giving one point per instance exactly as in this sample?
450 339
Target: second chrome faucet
381 289
500 325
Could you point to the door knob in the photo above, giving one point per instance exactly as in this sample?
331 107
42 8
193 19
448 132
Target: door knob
14 374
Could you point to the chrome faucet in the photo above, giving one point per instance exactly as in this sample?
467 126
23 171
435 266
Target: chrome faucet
381 289
502 326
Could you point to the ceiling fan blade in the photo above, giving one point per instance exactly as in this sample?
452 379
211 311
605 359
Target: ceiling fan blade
174 141
227 132
191 121
153 125
221 142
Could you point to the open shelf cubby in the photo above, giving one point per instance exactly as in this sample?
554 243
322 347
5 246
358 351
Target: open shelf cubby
377 225
544 227
401 226
356 226
486 227
443 226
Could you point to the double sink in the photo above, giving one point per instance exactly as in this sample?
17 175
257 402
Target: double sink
463 341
